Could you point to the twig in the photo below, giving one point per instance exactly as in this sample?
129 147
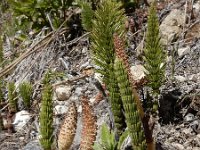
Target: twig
185 18
50 22
4 107
70 80
77 39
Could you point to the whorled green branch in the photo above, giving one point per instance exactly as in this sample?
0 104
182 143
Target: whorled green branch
46 115
154 56
87 14
26 90
12 97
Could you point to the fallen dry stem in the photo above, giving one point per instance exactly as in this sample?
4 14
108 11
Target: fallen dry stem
70 80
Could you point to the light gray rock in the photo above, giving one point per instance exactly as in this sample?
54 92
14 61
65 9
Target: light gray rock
178 146
33 145
78 91
180 78
183 51
60 109
21 119
196 6
170 28
63 92
138 72
189 117
99 77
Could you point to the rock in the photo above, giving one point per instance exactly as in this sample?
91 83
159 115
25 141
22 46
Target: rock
138 72
196 6
180 78
21 119
78 91
79 110
195 148
33 145
193 32
63 92
99 77
189 117
187 131
178 146
193 77
92 100
170 27
183 51
60 109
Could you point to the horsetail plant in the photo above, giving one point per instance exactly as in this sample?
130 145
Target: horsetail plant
68 128
87 14
12 97
88 134
26 90
46 115
154 56
129 98
109 18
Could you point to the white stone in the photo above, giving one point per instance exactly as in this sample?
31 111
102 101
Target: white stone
138 72
21 119
180 78
99 77
189 117
92 100
170 28
78 91
196 6
193 77
198 135
79 109
63 92
183 51
60 109
187 131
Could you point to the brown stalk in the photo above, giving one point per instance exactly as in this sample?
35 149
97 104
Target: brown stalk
88 135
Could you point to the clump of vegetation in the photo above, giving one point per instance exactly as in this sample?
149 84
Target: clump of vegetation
26 90
38 14
46 114
87 14
12 97
108 141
